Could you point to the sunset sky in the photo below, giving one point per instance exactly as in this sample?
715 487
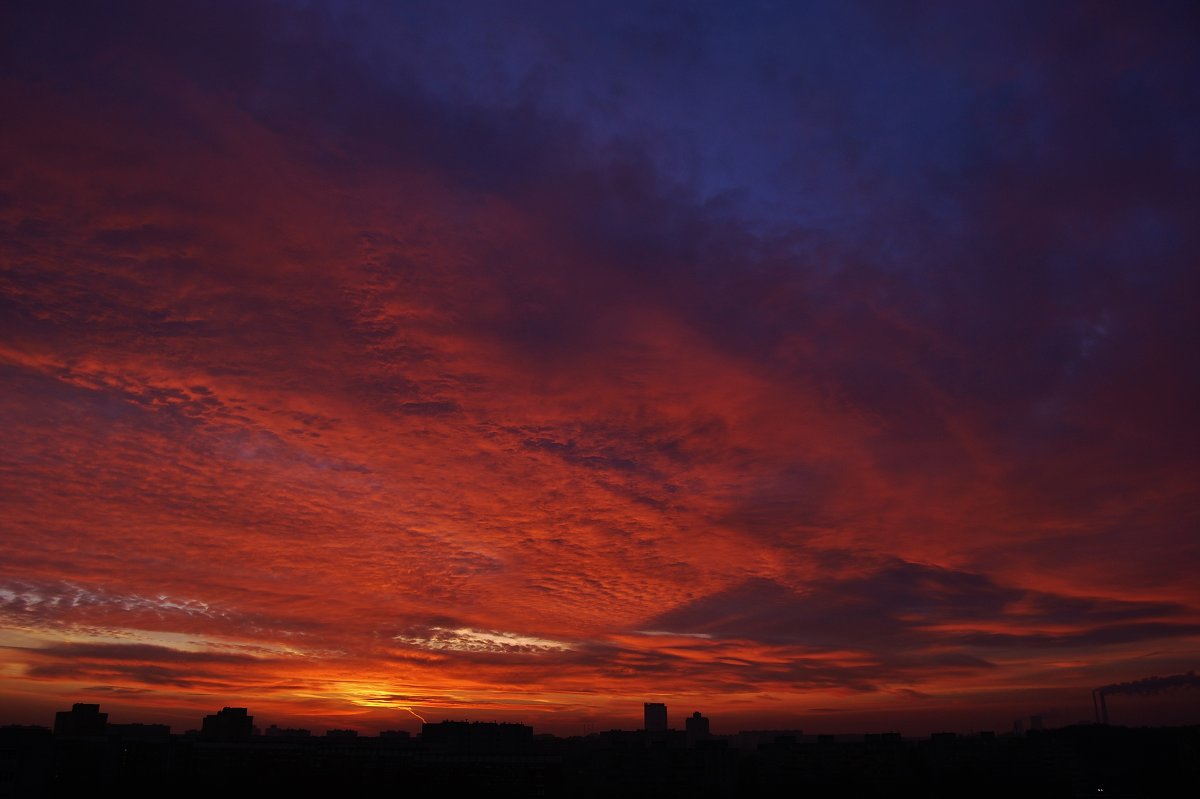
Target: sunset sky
817 365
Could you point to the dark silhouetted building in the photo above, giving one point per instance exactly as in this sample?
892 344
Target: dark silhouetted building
275 731
697 727
655 715
476 737
753 739
26 755
140 732
81 719
231 724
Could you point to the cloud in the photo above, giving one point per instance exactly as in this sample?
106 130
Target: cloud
467 640
144 653
864 364
903 610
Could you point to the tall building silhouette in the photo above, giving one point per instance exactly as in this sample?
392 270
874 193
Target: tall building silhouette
81 719
230 724
697 727
655 716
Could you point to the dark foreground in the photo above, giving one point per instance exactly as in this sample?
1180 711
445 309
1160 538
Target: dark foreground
487 761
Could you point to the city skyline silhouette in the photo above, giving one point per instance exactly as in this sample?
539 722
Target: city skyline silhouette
229 753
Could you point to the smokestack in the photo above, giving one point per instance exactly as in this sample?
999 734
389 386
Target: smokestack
1152 685
1144 687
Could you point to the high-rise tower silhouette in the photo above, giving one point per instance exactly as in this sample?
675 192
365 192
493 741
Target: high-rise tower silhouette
655 715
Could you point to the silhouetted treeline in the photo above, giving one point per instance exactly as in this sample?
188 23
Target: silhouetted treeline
500 760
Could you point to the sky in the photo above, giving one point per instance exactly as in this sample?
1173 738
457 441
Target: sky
813 365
